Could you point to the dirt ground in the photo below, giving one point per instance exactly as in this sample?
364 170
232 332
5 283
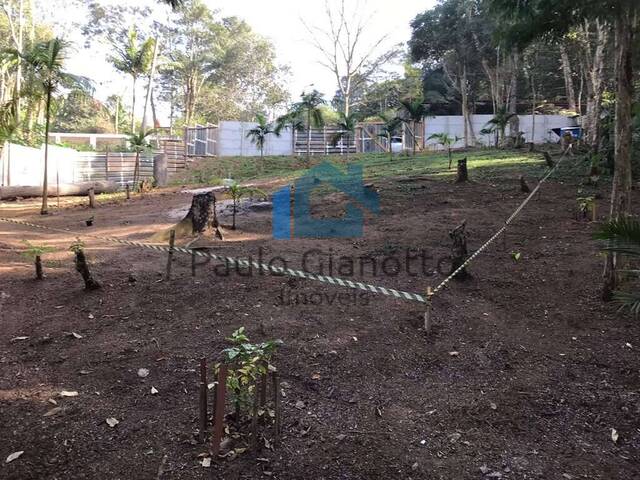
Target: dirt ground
524 375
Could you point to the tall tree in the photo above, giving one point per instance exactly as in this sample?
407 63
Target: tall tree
525 21
309 109
412 113
345 52
445 36
46 60
133 57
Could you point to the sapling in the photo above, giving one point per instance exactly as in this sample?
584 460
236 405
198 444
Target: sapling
34 253
237 192
250 362
82 266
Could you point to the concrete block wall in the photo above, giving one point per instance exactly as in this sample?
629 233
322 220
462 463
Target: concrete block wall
233 141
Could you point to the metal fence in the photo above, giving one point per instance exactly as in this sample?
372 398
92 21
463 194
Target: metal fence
201 140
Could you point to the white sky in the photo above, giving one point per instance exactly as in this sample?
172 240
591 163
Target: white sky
281 21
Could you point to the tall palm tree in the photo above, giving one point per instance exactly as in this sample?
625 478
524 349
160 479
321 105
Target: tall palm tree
498 124
446 141
346 130
139 142
46 60
622 237
258 134
413 112
389 130
133 58
292 121
309 108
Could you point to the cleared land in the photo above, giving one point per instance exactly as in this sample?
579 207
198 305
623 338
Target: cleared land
543 370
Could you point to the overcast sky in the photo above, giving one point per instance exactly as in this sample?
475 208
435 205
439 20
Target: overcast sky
281 21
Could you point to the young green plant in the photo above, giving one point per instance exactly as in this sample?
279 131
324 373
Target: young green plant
34 253
249 361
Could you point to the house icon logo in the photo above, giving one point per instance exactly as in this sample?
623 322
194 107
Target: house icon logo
304 224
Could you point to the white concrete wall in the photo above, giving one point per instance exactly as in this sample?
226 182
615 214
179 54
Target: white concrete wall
233 141
454 126
24 166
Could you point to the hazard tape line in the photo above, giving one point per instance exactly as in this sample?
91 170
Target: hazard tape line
243 263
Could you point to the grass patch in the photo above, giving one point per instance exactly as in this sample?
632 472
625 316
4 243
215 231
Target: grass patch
483 164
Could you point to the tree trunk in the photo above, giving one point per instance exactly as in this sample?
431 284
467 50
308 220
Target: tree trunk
82 266
465 104
514 122
308 138
594 64
136 171
45 183
38 264
133 106
463 174
568 78
147 99
621 188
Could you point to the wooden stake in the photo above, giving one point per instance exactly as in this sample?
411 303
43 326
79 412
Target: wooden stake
203 399
172 241
218 414
427 313
128 189
193 263
276 406
92 198
254 419
594 210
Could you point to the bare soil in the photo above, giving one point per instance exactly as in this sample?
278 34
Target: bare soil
524 375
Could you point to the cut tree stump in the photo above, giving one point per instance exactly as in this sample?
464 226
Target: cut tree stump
463 174
82 266
201 219
547 159
523 185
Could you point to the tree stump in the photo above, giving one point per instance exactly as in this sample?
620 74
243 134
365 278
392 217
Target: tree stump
523 185
82 266
459 250
463 174
547 159
200 219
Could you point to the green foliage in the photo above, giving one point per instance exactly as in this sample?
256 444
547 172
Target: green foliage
258 134
32 251
346 128
248 362
622 236
77 246
139 142
499 123
132 57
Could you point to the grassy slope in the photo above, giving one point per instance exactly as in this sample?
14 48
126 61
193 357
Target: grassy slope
482 164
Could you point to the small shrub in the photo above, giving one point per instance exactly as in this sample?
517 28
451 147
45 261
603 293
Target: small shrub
249 362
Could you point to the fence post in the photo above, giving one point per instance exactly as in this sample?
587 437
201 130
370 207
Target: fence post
92 198
218 414
203 399
172 240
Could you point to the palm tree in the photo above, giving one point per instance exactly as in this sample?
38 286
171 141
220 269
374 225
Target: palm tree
139 143
389 129
622 237
498 124
133 58
291 121
413 112
259 133
46 60
346 130
446 141
308 107
173 3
